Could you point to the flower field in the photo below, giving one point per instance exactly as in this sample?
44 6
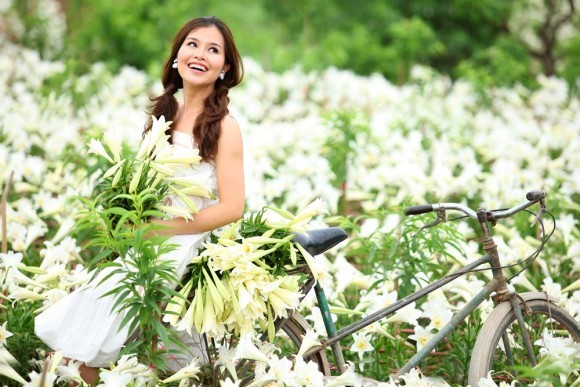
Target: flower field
366 147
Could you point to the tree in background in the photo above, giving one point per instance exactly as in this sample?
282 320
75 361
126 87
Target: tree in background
489 42
492 42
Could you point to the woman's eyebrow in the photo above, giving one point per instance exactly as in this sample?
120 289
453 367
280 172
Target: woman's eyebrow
197 41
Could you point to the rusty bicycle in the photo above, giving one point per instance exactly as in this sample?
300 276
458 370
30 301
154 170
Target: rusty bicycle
507 338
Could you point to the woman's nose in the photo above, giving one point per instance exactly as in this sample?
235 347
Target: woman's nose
198 54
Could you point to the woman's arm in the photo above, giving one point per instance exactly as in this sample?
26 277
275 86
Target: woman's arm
230 183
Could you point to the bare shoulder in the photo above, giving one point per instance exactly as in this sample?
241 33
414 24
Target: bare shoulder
230 124
230 129
231 136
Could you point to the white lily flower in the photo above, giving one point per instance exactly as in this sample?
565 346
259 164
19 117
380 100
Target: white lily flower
246 349
347 378
229 383
113 141
279 369
210 313
557 347
408 314
309 340
117 177
439 317
300 221
184 156
17 293
186 199
306 374
225 360
136 178
113 378
177 305
176 211
111 171
65 228
310 261
187 372
188 318
153 137
162 169
4 333
130 364
144 149
282 300
421 336
95 146
40 379
69 372
361 344
6 369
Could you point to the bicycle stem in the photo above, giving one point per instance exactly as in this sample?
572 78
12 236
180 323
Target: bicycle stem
490 248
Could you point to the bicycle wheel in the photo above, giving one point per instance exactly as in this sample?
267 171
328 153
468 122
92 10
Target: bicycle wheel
488 352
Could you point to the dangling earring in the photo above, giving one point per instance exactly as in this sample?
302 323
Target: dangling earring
174 65
222 75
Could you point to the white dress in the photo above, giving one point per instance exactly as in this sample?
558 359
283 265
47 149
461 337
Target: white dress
81 325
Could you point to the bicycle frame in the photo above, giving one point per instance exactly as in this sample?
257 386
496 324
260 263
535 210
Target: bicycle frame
497 284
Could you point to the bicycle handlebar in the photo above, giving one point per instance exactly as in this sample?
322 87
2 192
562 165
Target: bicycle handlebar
416 210
536 195
532 198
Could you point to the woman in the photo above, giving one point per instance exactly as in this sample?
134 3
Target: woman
205 63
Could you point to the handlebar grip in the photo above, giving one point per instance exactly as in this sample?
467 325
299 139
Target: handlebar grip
416 210
536 195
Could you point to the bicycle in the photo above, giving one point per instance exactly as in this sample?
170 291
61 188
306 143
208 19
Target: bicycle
517 320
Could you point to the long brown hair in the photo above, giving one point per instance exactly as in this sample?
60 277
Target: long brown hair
207 126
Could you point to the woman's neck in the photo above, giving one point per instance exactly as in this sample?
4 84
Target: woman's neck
193 98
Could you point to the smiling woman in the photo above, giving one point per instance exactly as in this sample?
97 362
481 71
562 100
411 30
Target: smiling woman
204 62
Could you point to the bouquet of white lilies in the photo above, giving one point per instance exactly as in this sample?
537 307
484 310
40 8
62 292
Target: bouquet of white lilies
151 171
132 188
246 276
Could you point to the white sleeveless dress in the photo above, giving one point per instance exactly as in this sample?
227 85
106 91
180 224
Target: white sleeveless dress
81 325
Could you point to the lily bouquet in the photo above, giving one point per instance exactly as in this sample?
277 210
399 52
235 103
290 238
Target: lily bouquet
134 189
246 276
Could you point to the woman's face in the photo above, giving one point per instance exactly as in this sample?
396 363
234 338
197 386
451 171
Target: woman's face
201 57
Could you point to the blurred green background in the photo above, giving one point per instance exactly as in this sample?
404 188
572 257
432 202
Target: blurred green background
489 42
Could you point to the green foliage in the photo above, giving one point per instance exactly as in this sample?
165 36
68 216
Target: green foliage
143 285
569 53
24 345
414 42
348 131
457 37
140 33
499 65
33 27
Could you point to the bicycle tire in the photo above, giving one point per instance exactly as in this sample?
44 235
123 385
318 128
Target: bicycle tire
487 353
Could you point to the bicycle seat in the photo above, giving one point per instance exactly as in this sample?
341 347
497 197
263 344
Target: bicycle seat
318 241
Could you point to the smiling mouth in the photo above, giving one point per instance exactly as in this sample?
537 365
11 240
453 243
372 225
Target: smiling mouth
198 67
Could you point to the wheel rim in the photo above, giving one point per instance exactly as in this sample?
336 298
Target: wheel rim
548 329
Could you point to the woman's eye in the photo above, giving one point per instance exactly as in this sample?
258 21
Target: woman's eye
192 44
214 50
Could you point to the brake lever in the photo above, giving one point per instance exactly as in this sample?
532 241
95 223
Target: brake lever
441 218
538 217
